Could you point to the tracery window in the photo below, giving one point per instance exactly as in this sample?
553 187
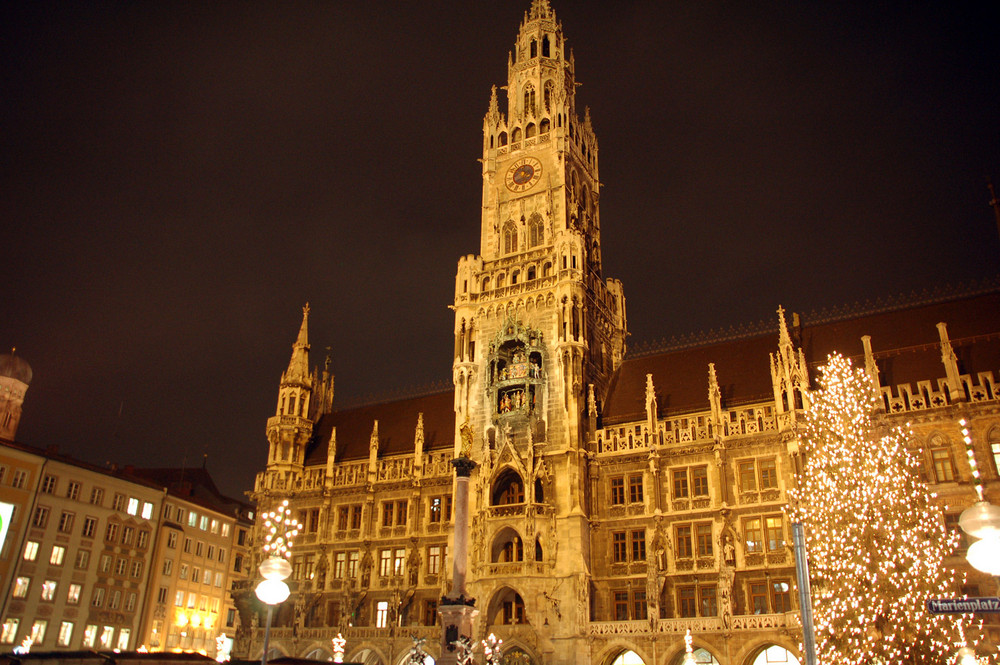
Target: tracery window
529 99
509 238
536 232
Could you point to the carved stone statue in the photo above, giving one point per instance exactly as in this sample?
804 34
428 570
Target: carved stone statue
726 575
467 438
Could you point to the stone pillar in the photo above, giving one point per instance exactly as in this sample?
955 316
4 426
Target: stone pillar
456 610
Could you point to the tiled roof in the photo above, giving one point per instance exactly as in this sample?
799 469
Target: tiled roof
397 425
905 343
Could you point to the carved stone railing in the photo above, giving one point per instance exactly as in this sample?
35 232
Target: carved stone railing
514 568
355 473
694 624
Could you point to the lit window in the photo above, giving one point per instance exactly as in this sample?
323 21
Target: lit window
399 562
225 530
385 563
382 614
21 585
30 550
89 635
752 532
73 594
192 519
65 633
49 590
147 510
204 523
10 631
215 526
106 634
179 599
133 506
58 555
38 631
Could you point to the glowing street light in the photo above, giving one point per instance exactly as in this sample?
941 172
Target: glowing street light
279 530
980 520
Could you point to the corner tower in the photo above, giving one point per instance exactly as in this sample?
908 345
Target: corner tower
538 334
303 396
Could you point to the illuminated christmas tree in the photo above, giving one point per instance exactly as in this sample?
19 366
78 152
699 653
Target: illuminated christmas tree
876 541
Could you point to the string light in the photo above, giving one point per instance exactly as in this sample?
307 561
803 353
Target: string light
876 539
280 528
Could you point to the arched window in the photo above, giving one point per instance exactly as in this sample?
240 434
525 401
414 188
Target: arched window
515 136
529 131
503 138
545 46
508 489
533 49
529 99
543 126
775 654
628 658
509 238
506 608
486 283
514 277
536 234
500 281
546 269
531 273
507 547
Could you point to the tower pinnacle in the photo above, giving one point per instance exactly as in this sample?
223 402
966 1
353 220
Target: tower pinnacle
298 366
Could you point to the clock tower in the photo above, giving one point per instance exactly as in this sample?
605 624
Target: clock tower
538 333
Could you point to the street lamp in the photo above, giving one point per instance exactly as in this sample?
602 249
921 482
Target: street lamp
279 530
980 520
272 591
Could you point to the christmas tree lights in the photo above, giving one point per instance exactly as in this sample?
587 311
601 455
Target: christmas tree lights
876 540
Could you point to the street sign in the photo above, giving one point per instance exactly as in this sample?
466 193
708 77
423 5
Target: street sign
988 605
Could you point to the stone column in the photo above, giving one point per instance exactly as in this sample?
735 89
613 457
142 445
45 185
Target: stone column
456 610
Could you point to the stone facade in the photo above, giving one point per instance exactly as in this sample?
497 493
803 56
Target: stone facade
618 501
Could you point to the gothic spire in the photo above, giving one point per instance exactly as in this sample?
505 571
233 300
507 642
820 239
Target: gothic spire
298 366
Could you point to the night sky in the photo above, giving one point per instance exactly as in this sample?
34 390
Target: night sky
178 178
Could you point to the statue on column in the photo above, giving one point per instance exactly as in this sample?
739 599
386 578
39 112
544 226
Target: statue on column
726 574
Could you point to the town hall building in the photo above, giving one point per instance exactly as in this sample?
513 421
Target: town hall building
620 499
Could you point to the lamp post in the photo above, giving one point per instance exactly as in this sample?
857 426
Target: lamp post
980 520
279 530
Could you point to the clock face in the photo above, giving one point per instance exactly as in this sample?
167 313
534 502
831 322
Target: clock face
523 174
